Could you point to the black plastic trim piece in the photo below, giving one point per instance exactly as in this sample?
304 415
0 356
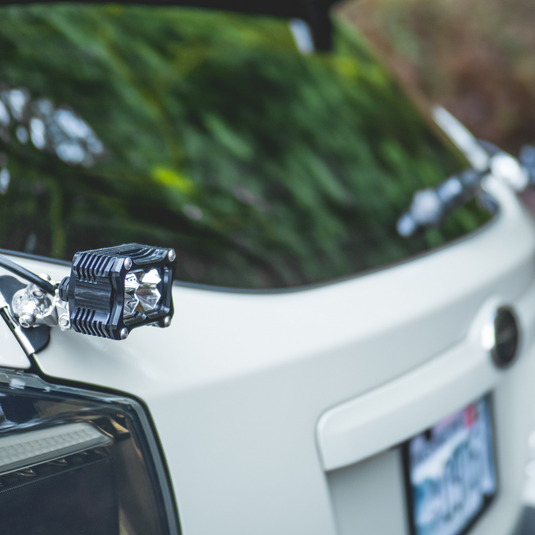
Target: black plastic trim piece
35 379
508 337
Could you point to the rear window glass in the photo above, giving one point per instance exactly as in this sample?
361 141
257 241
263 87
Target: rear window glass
223 135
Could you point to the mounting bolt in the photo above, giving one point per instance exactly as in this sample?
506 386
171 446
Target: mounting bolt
124 333
37 292
27 320
167 321
171 255
64 322
127 265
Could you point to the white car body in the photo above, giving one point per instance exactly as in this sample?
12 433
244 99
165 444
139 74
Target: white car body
282 413
277 412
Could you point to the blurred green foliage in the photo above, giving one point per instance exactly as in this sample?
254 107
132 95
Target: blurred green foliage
261 166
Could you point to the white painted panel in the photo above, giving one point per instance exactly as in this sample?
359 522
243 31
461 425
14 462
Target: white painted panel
390 415
369 497
236 386
405 407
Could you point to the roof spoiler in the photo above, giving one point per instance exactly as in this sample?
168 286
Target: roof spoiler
316 13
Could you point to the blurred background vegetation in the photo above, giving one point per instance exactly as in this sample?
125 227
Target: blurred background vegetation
475 57
264 167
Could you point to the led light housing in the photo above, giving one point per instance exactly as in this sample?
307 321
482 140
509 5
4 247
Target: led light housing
35 447
112 291
73 461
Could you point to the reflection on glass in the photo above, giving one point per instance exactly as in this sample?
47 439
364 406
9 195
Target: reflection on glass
17 100
5 119
193 212
22 134
303 38
5 179
38 132
218 134
62 131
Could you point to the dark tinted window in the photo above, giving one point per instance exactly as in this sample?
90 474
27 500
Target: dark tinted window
263 166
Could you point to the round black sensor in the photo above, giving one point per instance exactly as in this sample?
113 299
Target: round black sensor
507 336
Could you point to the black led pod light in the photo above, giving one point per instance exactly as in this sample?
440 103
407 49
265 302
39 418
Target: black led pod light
114 290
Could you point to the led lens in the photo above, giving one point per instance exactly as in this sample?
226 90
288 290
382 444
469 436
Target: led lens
141 292
112 291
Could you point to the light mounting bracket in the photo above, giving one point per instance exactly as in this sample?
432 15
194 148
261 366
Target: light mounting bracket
109 292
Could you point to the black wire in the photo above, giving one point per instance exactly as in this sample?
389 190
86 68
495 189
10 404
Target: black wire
27 275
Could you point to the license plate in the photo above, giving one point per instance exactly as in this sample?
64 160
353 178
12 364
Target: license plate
450 472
